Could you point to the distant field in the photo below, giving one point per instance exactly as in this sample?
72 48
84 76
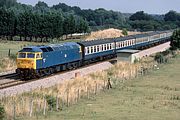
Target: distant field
153 97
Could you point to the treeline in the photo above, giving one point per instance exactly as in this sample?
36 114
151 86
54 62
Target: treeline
145 22
38 22
41 21
140 21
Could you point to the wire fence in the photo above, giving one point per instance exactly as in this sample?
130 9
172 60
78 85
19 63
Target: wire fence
7 53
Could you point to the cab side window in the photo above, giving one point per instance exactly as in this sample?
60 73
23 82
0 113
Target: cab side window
38 55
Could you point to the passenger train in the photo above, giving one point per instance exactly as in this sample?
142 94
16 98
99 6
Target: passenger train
38 61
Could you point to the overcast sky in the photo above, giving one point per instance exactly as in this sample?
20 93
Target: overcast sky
124 6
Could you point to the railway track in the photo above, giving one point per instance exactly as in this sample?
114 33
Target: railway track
8 76
11 84
11 80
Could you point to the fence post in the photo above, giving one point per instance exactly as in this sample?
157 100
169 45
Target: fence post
9 52
57 103
14 110
67 97
87 92
44 111
78 95
31 107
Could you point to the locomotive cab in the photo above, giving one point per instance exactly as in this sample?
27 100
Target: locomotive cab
27 63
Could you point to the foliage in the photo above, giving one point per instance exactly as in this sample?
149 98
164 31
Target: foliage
124 32
175 40
42 21
2 112
140 15
172 16
7 3
51 101
159 57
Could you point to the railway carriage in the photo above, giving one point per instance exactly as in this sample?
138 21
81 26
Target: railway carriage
127 42
97 49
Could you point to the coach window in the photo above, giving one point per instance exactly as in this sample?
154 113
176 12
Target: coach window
105 47
98 48
119 45
102 47
124 43
88 51
92 49
95 49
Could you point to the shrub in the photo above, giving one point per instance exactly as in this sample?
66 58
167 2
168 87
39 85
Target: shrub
159 57
124 32
51 101
2 112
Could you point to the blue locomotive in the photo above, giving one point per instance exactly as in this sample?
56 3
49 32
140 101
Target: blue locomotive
38 61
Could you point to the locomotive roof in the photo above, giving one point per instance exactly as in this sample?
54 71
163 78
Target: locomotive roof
51 47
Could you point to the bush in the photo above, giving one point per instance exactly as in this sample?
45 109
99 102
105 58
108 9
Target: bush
159 57
124 32
2 112
51 101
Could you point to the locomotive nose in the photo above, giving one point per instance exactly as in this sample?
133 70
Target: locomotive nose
26 60
25 63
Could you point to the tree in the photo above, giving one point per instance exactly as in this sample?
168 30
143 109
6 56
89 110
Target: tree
172 16
7 3
57 24
25 24
175 39
82 26
7 22
140 15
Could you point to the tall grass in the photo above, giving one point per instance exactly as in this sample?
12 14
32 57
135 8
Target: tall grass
7 64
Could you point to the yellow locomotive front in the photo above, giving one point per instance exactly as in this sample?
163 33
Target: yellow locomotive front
26 64
26 60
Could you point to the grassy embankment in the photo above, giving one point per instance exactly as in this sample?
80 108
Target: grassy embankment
155 96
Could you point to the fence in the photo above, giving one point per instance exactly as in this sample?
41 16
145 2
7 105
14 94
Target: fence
7 53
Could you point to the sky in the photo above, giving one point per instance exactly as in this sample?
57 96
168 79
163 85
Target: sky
124 6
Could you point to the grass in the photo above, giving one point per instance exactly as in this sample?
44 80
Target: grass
155 96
